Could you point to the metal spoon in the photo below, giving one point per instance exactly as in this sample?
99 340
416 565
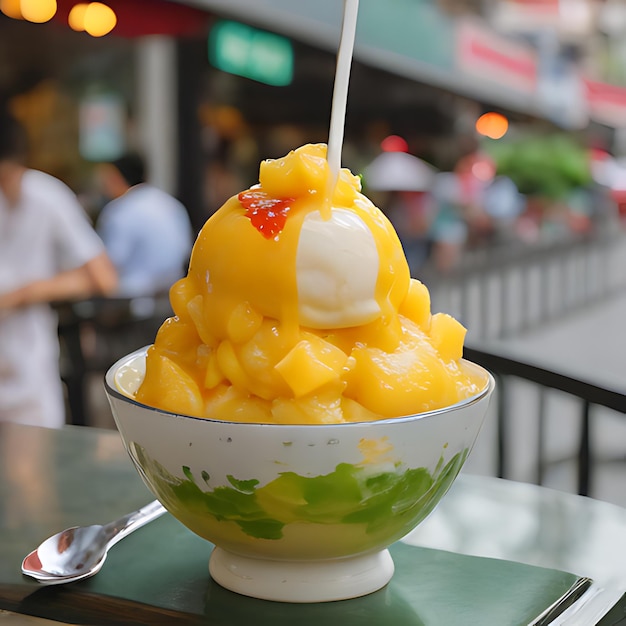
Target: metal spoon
80 552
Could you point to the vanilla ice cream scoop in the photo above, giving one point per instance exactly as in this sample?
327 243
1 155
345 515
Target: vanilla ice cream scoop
336 271
289 250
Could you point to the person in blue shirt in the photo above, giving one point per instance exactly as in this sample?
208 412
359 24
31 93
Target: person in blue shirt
146 231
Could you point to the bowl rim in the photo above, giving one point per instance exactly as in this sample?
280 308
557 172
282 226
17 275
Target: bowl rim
112 391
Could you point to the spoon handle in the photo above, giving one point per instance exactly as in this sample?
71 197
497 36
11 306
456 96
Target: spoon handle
122 527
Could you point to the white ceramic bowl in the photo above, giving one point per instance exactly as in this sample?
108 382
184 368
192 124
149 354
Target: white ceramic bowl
297 513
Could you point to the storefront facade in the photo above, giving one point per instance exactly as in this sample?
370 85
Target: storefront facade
150 85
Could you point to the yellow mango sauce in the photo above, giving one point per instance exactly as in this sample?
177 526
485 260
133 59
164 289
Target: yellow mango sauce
237 350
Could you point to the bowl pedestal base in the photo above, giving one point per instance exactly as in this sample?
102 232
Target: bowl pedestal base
301 581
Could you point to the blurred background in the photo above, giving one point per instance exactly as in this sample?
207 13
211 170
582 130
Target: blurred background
491 132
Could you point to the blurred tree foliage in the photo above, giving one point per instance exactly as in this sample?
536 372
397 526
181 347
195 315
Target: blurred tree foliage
549 166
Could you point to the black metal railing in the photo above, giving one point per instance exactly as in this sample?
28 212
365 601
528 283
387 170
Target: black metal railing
588 394
95 333
500 291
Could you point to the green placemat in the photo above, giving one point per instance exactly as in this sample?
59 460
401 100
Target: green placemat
166 566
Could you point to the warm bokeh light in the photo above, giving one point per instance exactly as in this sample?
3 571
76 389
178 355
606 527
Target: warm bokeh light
477 164
38 11
394 143
492 125
76 18
11 8
484 170
99 19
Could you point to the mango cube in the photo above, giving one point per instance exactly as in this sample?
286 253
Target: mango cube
169 387
180 294
399 383
228 363
178 337
416 305
213 374
231 404
312 362
259 355
243 323
447 335
195 310
322 406
296 174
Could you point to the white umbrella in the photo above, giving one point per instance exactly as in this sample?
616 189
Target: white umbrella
398 171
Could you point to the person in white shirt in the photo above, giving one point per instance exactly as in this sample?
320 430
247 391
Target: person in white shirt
49 252
146 231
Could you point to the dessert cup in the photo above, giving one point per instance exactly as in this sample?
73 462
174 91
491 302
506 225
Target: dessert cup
297 513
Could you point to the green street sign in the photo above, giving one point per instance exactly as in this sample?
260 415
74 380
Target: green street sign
240 49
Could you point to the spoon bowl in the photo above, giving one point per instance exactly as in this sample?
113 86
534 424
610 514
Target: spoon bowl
79 552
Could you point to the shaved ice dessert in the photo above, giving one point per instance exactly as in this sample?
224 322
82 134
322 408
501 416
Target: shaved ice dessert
299 308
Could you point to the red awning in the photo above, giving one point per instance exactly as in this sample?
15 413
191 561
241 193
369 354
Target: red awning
136 18
606 103
485 54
